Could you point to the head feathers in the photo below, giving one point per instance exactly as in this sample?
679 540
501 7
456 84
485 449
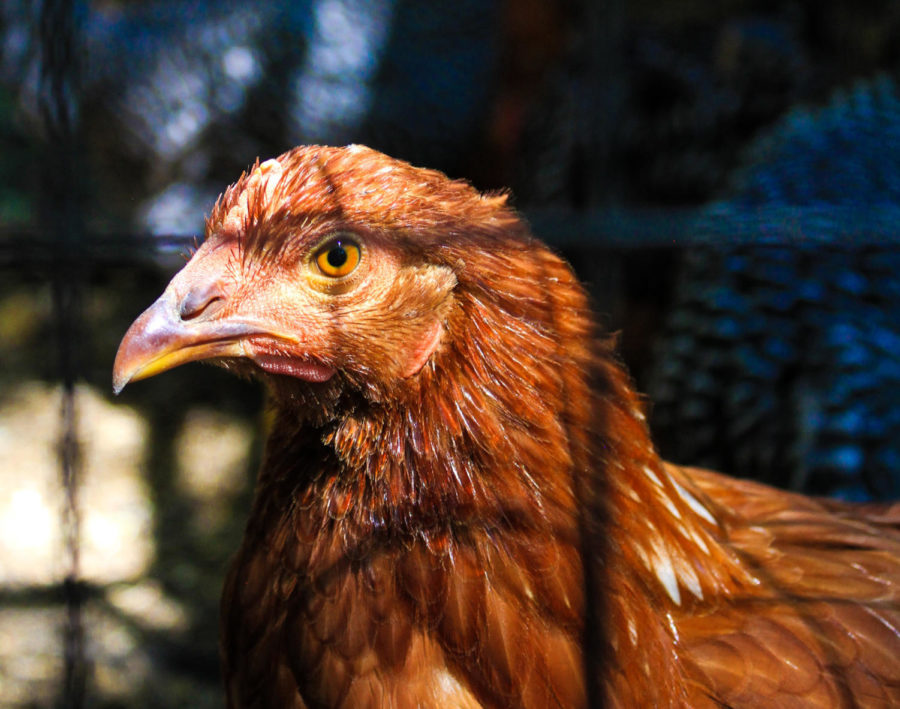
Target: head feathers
318 188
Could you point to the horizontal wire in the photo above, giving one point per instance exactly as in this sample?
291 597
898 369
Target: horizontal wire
716 225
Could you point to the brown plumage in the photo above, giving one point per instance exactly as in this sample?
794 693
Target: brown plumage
459 494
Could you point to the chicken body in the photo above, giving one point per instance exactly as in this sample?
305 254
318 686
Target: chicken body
459 503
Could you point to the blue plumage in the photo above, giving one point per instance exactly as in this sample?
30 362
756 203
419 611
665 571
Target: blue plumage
781 362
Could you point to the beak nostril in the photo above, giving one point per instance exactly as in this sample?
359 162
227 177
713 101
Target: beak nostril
201 302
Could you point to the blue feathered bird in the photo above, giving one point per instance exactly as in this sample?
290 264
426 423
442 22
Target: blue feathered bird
781 362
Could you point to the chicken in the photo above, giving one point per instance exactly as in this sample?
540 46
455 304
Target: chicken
781 356
459 503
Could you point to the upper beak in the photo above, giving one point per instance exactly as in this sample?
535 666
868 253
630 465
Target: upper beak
161 339
194 319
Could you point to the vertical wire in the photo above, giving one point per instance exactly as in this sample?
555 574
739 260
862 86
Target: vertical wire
61 209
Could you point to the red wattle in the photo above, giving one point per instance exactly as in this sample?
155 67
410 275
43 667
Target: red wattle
306 370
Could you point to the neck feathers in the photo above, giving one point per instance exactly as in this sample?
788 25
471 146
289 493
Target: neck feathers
520 450
495 429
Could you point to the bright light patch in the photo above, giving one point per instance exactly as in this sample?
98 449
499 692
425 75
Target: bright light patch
240 64
332 92
28 521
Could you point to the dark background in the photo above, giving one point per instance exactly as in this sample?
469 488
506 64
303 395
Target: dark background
723 175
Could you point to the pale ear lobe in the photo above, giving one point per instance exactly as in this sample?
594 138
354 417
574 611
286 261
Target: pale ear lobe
423 350
436 284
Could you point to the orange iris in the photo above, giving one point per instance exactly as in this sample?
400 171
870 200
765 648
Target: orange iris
338 258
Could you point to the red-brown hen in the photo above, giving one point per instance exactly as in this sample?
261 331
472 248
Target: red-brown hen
459 503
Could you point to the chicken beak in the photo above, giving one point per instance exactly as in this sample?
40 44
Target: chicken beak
160 340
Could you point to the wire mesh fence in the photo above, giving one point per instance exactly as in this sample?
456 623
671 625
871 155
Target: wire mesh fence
150 494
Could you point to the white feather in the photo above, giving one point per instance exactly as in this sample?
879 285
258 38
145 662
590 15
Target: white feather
666 575
652 475
694 504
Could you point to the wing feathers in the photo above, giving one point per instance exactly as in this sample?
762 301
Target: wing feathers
821 628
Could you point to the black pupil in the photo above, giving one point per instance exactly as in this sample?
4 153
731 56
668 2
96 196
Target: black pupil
337 256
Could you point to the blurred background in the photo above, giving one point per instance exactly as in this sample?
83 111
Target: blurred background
724 174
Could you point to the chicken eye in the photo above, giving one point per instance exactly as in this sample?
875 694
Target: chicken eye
338 258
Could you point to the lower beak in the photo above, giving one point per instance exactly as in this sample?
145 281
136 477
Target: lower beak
160 340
